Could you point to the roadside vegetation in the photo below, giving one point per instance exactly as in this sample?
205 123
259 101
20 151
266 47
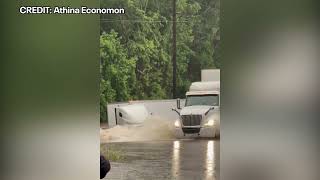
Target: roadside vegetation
111 153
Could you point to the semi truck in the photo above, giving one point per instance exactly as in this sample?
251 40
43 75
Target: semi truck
200 115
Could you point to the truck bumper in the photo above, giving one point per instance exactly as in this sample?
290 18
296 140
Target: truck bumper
206 132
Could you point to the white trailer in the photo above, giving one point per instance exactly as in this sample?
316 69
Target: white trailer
210 75
155 108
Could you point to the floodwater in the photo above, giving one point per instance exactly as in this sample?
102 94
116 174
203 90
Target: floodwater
194 159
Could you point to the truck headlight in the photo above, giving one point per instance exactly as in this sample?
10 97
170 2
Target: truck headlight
210 123
177 123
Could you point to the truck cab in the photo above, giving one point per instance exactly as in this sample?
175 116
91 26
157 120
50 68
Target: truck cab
200 115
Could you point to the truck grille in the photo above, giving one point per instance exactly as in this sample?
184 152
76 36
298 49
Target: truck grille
191 120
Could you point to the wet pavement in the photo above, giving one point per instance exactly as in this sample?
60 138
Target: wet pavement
176 159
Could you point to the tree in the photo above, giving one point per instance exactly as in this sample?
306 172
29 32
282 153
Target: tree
117 70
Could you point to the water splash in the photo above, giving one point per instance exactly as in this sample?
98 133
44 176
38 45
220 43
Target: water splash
154 128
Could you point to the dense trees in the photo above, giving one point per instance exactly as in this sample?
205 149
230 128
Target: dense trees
136 48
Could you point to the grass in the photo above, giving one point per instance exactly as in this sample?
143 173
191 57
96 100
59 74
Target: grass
111 153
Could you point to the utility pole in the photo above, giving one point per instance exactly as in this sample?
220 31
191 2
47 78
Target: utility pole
174 50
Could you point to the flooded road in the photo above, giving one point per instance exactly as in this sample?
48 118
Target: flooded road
172 159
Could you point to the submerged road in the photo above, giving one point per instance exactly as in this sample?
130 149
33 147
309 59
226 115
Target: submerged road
176 159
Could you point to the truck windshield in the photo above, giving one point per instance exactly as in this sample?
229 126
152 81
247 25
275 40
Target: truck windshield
204 100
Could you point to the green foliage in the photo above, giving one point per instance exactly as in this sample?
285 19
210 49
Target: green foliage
136 48
117 70
112 153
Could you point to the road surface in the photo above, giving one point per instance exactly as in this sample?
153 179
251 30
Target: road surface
172 159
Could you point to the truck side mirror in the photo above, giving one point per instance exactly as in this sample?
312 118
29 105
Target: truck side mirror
212 108
176 111
178 103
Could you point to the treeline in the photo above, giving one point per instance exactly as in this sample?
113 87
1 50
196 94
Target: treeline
136 48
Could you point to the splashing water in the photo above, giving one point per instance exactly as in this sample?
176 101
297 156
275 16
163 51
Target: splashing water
154 128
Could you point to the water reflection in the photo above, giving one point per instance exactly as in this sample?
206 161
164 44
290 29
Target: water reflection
176 159
210 159
176 145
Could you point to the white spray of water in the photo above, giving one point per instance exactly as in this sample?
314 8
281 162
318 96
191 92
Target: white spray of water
152 129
